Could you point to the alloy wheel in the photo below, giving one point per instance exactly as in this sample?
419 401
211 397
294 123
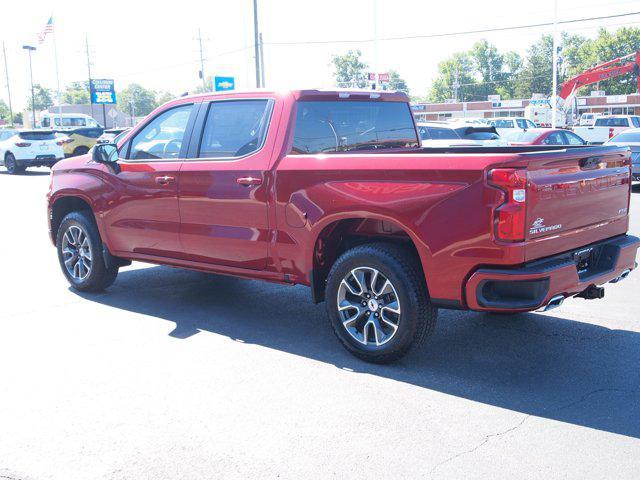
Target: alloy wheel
77 254
369 306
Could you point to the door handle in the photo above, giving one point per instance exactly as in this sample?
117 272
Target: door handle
248 181
166 180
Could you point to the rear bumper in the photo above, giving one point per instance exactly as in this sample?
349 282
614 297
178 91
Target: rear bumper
40 161
534 284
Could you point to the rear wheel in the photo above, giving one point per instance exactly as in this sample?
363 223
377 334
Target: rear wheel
80 254
11 164
377 302
80 151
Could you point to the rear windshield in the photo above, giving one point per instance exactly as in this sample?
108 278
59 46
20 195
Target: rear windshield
341 126
612 122
476 134
502 123
631 137
37 135
522 136
442 133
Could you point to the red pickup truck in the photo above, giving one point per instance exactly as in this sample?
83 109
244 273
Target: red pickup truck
331 189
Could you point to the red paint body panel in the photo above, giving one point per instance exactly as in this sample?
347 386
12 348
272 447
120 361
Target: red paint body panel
269 227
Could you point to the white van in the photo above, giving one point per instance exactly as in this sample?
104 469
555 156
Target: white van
67 120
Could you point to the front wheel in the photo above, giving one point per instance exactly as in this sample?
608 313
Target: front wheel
377 302
80 254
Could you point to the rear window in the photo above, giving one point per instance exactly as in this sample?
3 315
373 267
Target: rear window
631 137
612 122
441 133
476 134
37 135
341 126
502 123
522 136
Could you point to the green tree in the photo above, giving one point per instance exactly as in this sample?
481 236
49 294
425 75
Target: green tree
163 97
606 46
136 100
457 70
76 93
4 112
42 98
350 70
396 82
17 118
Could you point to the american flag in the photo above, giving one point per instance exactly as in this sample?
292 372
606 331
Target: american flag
48 28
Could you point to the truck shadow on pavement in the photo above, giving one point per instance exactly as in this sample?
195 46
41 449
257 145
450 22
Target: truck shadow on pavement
539 365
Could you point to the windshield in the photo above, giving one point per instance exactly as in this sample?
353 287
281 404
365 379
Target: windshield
626 137
342 126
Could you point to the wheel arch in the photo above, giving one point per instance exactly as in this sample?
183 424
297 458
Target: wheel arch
65 204
337 234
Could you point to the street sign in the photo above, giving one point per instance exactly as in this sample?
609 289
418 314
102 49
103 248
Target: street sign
382 77
102 91
113 113
221 84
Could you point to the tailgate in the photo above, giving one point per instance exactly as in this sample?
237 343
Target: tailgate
570 190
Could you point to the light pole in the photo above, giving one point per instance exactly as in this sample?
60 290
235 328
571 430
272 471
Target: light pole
256 42
30 49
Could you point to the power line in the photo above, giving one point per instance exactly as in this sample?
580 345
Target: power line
452 34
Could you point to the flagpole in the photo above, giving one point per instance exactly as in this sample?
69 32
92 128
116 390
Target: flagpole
55 53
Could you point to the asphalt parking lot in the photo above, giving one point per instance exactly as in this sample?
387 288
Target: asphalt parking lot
173 374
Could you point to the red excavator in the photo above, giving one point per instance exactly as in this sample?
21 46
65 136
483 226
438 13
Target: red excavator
539 111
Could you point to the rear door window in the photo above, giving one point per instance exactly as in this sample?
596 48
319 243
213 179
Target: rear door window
235 128
555 138
341 126
573 139
635 121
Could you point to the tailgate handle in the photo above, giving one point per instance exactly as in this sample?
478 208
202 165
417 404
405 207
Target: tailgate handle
590 163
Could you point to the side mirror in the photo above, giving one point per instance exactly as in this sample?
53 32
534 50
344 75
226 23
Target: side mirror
106 153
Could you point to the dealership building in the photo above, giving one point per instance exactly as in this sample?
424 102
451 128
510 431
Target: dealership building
597 102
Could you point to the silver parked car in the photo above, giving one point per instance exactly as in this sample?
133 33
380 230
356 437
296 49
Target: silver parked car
630 138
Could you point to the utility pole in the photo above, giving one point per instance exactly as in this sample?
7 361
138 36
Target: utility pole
202 76
256 42
554 88
456 85
262 82
89 73
6 72
30 49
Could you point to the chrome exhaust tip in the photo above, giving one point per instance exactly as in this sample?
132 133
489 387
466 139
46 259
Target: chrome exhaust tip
622 276
555 302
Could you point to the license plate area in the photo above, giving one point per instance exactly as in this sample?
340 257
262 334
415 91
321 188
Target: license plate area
593 261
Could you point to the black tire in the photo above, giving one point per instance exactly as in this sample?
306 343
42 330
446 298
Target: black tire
99 276
403 269
11 164
80 151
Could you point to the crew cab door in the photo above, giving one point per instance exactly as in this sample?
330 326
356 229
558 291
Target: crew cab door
223 189
142 215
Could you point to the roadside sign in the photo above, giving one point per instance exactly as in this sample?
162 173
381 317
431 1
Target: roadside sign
224 83
383 77
113 113
102 91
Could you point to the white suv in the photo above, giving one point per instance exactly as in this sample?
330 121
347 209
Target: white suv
29 148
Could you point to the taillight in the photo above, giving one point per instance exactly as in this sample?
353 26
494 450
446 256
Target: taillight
510 216
66 140
610 132
23 144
